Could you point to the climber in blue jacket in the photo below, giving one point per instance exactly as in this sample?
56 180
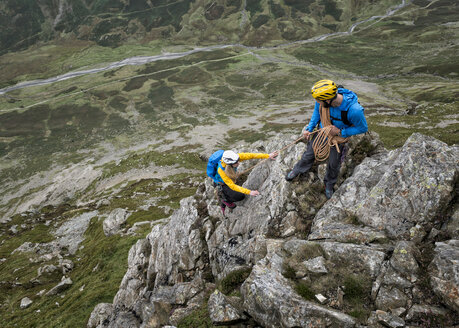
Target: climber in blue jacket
347 118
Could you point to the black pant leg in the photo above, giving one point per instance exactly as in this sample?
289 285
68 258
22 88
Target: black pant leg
333 166
231 195
307 159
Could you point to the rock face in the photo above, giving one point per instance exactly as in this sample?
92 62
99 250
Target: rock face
112 224
379 251
444 272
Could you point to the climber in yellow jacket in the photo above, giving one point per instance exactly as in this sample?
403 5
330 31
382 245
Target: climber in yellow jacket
226 175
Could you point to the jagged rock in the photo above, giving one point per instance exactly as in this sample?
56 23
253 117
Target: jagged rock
157 313
419 312
25 302
398 312
14 229
135 280
322 299
451 226
390 297
177 246
63 285
385 319
417 233
444 272
69 236
66 265
367 259
223 310
99 315
389 195
123 319
112 224
172 253
46 269
71 233
178 294
193 304
316 264
272 302
407 188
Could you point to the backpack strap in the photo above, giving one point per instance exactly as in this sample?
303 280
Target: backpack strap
343 118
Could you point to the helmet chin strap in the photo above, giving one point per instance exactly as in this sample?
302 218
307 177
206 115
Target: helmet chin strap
326 104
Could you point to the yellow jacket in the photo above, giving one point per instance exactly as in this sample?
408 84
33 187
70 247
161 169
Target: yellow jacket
228 181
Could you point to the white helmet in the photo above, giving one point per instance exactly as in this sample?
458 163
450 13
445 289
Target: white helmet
230 157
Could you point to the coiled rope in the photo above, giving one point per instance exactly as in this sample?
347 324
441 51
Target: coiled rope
321 146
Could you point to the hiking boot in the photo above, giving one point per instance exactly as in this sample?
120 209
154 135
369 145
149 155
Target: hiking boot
223 207
228 204
290 176
328 192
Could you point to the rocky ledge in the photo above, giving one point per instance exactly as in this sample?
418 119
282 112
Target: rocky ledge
382 252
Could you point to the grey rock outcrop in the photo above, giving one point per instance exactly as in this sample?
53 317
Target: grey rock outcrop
113 223
367 243
25 303
224 310
271 301
444 272
69 236
60 287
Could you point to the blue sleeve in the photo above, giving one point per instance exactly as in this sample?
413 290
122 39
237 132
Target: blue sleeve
357 118
315 118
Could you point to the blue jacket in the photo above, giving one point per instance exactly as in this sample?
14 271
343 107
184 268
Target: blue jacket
354 111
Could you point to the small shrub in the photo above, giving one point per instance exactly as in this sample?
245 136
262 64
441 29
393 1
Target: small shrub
304 291
355 287
233 280
288 272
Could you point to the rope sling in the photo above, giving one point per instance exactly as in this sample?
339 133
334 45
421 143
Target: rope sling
321 144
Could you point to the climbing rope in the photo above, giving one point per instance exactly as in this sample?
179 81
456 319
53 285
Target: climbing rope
321 146
322 143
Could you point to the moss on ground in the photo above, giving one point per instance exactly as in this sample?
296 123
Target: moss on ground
233 280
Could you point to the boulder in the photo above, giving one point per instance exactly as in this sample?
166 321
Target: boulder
387 196
444 272
272 302
114 222
25 302
99 315
63 285
224 310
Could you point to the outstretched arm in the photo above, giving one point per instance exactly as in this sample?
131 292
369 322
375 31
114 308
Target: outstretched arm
247 156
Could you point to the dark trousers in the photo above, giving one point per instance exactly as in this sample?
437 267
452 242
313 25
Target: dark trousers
333 166
230 195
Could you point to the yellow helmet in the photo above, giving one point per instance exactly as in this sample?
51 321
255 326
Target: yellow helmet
324 90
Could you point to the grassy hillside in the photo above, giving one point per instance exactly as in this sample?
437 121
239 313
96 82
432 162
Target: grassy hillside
143 129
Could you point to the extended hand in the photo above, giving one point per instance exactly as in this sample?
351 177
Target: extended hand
254 193
274 155
334 131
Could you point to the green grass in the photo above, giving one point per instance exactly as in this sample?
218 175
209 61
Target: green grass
305 291
108 254
197 319
233 280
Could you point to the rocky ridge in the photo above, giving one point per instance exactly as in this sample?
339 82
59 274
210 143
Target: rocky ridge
382 252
